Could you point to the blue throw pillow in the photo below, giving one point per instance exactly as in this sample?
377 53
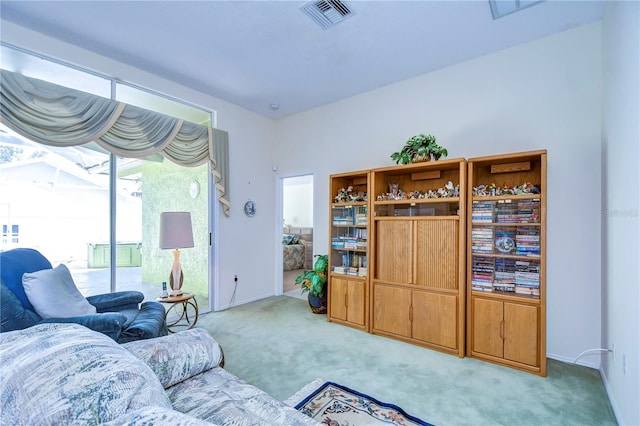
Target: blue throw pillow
14 263
286 239
12 315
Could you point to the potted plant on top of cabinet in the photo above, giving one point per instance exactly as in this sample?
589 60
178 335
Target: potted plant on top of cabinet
419 148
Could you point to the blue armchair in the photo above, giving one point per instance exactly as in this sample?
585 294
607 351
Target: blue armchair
123 316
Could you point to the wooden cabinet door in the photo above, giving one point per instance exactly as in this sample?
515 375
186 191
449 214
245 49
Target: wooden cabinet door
521 333
391 310
436 262
393 251
487 327
337 302
356 302
435 318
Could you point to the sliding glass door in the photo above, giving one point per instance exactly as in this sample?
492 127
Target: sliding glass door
164 187
98 213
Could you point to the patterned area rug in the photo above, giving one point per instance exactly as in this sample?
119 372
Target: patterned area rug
335 405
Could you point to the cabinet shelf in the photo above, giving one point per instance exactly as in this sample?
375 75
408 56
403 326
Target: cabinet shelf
355 225
505 197
476 223
507 256
347 204
352 277
418 201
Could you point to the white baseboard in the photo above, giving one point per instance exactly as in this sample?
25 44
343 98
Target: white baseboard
242 302
582 361
612 400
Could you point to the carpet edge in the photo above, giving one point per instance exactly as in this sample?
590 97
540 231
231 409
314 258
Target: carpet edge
306 390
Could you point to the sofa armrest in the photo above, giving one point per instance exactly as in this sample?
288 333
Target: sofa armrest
109 323
178 356
119 300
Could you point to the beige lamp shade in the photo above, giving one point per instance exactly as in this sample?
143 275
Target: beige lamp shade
175 230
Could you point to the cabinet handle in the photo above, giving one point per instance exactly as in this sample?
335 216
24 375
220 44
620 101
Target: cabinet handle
410 313
502 329
346 304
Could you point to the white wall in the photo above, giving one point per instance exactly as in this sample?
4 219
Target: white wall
545 94
621 230
242 242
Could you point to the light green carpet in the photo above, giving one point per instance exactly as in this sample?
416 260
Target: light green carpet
278 345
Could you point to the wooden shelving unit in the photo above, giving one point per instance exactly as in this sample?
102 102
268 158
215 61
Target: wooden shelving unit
348 285
506 261
418 254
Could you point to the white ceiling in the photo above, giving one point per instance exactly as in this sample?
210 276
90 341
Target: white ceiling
255 53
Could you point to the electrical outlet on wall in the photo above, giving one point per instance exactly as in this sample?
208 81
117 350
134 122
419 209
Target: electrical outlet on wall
613 349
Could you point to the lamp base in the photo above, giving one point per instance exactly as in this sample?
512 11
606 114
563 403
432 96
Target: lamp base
175 293
176 277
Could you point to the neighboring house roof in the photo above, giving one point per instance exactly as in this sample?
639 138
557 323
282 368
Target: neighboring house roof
50 170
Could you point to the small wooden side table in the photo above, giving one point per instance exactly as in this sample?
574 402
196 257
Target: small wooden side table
180 305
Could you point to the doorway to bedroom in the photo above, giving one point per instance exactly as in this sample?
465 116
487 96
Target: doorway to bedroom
297 231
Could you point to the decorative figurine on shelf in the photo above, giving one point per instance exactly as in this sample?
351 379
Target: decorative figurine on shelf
480 191
348 195
360 196
393 189
506 190
494 190
342 195
527 188
447 191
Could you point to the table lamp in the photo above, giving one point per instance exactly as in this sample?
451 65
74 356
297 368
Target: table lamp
176 233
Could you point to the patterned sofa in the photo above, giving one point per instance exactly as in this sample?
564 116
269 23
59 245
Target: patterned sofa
68 374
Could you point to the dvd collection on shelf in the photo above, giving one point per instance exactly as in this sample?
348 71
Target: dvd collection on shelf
502 244
350 239
350 215
352 264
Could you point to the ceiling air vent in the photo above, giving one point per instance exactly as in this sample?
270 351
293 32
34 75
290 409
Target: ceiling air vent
327 13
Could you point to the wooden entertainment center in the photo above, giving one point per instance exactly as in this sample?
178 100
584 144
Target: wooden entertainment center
447 254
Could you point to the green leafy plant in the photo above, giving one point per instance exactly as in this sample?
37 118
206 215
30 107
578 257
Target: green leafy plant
314 280
419 148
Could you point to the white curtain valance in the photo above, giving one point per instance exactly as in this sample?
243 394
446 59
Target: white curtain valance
59 116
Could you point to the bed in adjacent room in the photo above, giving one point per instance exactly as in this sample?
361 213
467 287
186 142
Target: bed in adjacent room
297 248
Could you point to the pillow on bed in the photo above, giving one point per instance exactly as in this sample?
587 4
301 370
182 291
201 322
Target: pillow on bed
288 239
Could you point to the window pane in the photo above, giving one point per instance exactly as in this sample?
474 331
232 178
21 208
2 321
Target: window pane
143 99
56 200
32 66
